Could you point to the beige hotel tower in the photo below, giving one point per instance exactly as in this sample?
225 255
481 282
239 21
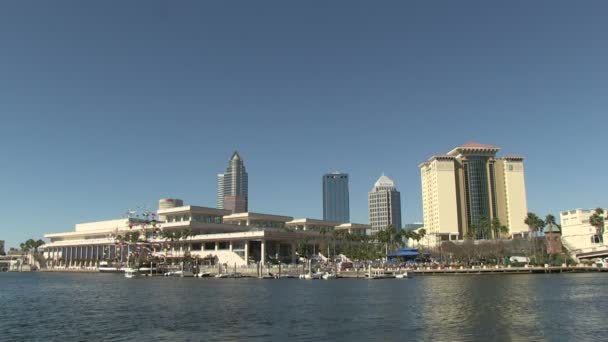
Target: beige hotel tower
468 183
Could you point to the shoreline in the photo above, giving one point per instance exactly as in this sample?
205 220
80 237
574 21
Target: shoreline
251 273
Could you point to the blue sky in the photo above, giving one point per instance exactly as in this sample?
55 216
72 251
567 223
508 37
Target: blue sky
112 105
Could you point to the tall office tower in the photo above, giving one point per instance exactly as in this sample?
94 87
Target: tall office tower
232 186
335 197
467 184
2 247
384 203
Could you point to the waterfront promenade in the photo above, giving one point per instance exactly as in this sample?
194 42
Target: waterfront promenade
292 270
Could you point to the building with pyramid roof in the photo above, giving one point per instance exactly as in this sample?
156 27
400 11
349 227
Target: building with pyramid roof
232 186
384 202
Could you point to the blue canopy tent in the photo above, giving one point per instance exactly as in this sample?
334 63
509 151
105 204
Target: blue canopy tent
403 254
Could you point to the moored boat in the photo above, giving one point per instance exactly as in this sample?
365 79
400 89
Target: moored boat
131 272
329 276
105 267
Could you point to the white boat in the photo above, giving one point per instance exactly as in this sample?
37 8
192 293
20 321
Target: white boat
181 274
601 262
204 275
131 272
381 275
378 274
105 267
402 275
229 275
329 276
311 276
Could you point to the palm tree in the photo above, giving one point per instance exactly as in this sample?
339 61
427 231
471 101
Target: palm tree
417 236
498 229
407 235
472 232
597 220
38 244
485 227
550 219
383 238
534 223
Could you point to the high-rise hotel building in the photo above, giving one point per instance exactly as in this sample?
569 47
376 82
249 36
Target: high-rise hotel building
384 203
232 186
335 197
467 184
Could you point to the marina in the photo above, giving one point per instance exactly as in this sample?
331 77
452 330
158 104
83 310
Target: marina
291 272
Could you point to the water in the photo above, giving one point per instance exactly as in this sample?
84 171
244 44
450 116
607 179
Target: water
96 307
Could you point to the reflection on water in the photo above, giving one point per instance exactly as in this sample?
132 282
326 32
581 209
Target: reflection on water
45 306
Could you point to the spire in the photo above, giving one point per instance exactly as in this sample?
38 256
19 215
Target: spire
235 156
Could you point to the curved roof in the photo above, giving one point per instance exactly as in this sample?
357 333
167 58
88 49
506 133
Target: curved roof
474 148
477 145
235 156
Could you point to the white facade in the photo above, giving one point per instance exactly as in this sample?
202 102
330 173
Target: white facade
439 197
235 239
578 235
511 193
311 224
354 228
384 203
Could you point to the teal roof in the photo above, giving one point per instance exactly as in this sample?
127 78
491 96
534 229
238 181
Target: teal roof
551 228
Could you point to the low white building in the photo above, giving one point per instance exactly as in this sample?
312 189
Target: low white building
580 237
234 239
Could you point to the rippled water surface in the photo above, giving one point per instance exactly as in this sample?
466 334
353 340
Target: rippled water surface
95 307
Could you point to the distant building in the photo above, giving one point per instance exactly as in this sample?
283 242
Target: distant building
232 186
579 236
335 197
468 183
168 203
354 228
552 236
2 247
384 202
229 238
413 226
220 191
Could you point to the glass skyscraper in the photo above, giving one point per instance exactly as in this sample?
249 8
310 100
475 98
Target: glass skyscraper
232 186
335 197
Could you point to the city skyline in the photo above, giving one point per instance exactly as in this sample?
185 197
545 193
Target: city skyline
99 118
